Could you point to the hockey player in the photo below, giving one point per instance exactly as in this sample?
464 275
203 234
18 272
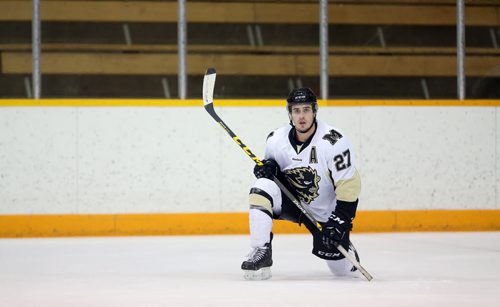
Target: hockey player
316 163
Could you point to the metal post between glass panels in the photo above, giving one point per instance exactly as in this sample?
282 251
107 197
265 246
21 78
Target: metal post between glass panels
181 45
35 47
461 49
323 41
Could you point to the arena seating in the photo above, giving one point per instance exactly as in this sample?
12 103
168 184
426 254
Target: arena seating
378 49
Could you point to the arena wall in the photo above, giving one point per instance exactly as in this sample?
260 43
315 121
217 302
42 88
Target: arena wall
154 167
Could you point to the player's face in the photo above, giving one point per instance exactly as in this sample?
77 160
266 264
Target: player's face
302 117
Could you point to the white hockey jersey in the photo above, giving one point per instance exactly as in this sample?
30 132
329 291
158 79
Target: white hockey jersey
321 170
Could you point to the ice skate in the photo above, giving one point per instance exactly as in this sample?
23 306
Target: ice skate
259 262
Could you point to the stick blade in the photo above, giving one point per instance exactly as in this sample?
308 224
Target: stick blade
208 86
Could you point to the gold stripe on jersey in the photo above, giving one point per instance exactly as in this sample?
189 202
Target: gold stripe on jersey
348 190
257 200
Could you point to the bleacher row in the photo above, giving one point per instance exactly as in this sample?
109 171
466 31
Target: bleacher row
378 49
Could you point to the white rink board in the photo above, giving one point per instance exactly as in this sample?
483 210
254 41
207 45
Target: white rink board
177 159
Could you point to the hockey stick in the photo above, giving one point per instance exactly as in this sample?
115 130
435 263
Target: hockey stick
208 95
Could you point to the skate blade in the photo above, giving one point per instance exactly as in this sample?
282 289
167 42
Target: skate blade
262 274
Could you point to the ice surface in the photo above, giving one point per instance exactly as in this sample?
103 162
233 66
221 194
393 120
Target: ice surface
409 269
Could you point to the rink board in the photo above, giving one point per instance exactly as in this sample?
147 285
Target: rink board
78 167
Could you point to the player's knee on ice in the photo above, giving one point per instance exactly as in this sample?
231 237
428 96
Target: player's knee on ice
342 267
339 267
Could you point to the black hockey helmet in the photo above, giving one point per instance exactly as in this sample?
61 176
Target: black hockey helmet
303 95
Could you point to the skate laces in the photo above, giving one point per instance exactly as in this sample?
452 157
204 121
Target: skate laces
257 254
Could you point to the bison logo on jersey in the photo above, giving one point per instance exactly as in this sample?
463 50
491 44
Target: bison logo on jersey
305 181
332 137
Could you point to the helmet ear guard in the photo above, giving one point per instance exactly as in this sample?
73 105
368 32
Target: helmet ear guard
303 95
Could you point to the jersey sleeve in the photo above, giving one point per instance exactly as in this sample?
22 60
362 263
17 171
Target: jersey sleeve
269 153
342 166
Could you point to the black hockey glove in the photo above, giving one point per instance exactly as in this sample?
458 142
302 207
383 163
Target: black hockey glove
268 170
334 230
